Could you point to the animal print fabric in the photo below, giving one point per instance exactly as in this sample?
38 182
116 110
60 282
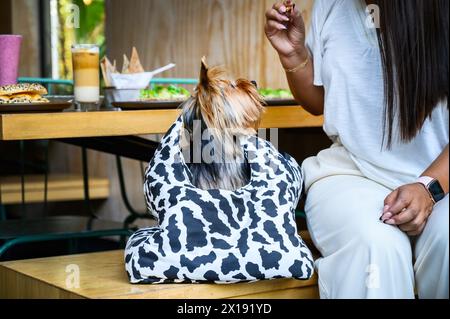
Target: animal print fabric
220 236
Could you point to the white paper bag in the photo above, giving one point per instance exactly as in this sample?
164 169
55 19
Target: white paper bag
136 81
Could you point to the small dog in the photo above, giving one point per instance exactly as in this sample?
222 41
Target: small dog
224 111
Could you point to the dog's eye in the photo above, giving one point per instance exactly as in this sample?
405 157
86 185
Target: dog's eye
254 83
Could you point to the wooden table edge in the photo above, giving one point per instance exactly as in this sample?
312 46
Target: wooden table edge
39 126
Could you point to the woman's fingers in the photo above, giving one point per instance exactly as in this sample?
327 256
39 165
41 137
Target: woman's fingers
413 225
297 19
274 26
390 199
291 41
402 202
408 207
275 22
407 216
388 203
280 7
273 14
418 231
279 11
411 221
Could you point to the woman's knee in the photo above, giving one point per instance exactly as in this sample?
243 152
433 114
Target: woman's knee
379 237
368 236
341 200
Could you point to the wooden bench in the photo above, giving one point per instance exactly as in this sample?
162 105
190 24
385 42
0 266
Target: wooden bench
60 188
102 276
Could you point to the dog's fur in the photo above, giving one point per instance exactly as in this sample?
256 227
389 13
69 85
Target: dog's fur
229 110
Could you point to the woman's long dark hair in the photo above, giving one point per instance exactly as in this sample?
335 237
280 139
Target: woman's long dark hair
413 38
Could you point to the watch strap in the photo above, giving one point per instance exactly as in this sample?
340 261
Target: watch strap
426 182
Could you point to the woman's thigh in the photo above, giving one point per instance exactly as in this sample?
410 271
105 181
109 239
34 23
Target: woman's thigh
361 256
344 208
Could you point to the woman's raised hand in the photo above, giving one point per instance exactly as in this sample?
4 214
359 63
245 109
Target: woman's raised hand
285 30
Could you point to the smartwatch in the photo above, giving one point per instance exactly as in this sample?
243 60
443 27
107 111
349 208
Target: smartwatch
433 187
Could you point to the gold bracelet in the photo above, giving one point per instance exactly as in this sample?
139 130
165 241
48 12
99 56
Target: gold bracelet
299 67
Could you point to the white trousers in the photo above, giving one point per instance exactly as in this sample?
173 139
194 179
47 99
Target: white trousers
363 257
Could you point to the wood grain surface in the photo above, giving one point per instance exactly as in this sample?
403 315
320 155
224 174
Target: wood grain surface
103 276
39 126
228 32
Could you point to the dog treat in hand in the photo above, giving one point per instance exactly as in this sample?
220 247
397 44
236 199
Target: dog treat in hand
289 6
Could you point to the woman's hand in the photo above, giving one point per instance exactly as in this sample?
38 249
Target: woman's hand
286 33
408 207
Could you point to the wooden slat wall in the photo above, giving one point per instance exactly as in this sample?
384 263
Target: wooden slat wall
228 32
25 21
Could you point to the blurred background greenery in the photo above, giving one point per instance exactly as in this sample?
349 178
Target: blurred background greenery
91 30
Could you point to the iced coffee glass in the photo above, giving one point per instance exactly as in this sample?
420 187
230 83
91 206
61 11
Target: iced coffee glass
86 76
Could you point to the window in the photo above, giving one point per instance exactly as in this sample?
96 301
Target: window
74 21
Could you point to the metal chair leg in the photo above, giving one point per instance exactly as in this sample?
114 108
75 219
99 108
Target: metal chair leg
2 207
2 212
73 246
87 200
22 176
46 168
134 214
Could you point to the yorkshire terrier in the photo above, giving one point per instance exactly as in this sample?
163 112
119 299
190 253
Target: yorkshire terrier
220 113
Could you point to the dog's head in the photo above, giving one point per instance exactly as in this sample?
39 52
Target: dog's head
215 118
224 105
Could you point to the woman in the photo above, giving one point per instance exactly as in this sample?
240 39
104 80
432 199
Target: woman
377 200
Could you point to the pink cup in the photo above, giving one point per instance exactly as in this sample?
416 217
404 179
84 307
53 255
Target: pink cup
9 58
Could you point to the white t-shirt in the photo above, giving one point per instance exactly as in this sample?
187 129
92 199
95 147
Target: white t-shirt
347 63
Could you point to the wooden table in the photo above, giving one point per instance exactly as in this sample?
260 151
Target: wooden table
102 276
39 126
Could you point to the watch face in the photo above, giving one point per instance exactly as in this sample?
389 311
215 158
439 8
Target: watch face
436 191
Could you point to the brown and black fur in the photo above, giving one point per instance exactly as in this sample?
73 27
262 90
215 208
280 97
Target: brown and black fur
233 109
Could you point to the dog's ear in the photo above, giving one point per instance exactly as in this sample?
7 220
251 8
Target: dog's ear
204 79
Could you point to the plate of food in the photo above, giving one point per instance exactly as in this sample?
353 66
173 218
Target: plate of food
277 97
158 97
29 97
171 97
